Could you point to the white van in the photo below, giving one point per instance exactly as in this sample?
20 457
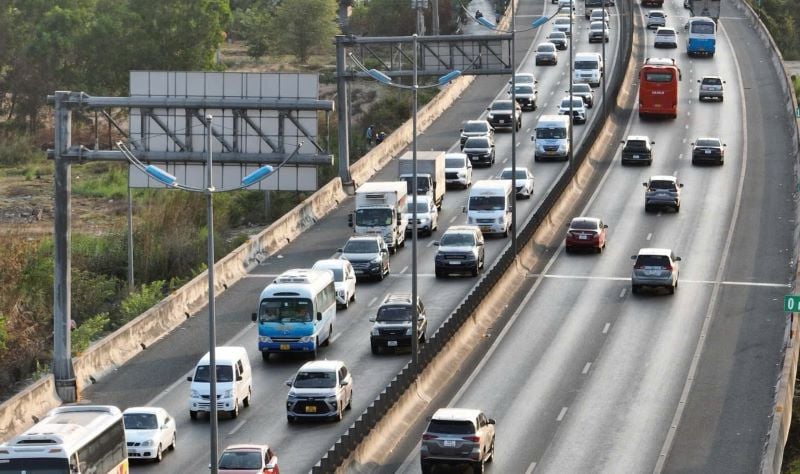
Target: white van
489 206
588 68
234 382
551 138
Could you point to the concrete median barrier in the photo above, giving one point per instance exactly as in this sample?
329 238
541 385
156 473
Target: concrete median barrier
18 412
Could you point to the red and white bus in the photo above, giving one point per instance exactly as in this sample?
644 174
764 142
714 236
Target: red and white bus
658 88
72 439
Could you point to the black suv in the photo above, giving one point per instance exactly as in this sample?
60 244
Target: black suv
368 254
708 149
393 327
500 113
461 250
637 149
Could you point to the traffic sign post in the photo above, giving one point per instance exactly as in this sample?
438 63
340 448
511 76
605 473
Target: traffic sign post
791 303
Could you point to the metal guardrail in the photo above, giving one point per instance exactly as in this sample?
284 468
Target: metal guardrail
358 431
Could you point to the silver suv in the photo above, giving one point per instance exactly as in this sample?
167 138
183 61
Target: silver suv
393 327
711 87
655 268
662 191
461 250
458 436
320 389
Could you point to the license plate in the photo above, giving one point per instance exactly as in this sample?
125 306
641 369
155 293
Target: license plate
486 228
502 121
311 409
657 106
391 343
708 152
454 262
359 272
582 237
635 157
284 347
449 443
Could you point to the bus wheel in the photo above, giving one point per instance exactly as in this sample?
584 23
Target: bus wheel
192 414
328 339
265 356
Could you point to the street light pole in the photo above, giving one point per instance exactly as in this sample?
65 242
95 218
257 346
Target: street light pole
603 71
571 116
212 324
513 133
414 312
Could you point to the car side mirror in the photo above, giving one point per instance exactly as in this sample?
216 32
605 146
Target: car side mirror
492 145
319 316
464 209
189 378
488 108
677 259
680 185
699 81
349 220
533 139
724 144
605 226
372 319
491 421
692 144
479 244
436 243
622 141
633 257
239 377
340 250
289 382
461 130
253 317
344 383
270 466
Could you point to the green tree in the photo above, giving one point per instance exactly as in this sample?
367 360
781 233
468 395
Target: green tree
383 18
253 25
301 26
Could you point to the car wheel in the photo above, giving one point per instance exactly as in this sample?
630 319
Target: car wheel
479 467
265 356
720 98
375 349
159 454
349 402
671 290
328 339
649 162
635 289
235 411
425 467
246 400
192 414
647 208
174 442
339 412
678 208
290 419
491 453
439 274
599 249
721 161
422 338
353 297
694 162
475 271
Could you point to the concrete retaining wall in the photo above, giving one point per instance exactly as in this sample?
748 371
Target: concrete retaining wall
16 414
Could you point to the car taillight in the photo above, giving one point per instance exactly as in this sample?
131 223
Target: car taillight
668 267
427 436
474 439
638 267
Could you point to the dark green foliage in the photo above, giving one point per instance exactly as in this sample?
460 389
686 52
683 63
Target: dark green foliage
18 149
781 18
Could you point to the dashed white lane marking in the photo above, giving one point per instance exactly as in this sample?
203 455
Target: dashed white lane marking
429 245
606 328
453 219
586 368
505 160
404 269
561 414
335 337
530 468
372 301
649 236
236 428
680 156
623 293
689 282
684 140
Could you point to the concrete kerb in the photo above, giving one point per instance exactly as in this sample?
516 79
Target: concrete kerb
16 413
784 390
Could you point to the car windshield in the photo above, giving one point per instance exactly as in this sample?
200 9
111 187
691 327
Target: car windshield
394 313
371 217
636 145
507 174
140 421
562 21
501 105
586 65
315 380
523 90
476 127
457 239
551 133
360 246
669 185
285 310
656 14
710 142
203 374
576 103
583 224
557 35
597 26
582 88
523 79
421 207
338 275
661 261
240 460
451 427
454 162
487 203
712 81
477 142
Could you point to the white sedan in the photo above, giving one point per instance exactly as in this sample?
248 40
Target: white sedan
148 432
344 279
523 181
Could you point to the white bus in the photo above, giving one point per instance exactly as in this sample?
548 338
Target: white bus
72 439
296 312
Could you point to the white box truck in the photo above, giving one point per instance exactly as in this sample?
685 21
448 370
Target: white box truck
489 206
380 209
430 174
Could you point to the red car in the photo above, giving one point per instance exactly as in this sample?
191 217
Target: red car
248 459
586 233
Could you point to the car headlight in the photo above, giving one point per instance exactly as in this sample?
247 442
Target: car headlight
331 399
266 339
490 116
306 338
194 394
227 394
409 331
500 220
375 260
462 174
149 442
375 332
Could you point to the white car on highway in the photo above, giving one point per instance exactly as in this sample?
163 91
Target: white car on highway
148 432
522 182
344 279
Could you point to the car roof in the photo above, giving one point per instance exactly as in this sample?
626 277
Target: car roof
663 177
455 155
545 43
511 168
662 29
150 410
716 139
321 365
655 251
421 197
502 101
481 121
638 137
594 220
248 447
711 77
657 11
462 228
329 263
660 61
455 414
559 34
366 237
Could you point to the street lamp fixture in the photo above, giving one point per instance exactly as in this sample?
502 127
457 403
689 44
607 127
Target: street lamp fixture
171 181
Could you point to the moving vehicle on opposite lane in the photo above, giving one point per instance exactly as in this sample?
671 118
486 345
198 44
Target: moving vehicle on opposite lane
458 436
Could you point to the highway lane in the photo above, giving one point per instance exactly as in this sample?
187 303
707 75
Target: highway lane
158 375
587 377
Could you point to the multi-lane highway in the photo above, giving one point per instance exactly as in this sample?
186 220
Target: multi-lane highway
591 378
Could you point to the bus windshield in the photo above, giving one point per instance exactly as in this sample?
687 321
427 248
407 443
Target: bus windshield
487 203
285 310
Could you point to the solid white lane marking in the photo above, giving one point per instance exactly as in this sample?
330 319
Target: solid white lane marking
530 468
606 328
453 219
586 368
561 414
236 428
372 301
404 269
649 236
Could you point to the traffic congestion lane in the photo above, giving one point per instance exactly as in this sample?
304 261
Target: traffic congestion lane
352 333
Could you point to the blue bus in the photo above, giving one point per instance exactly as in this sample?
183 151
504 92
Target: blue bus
702 38
296 312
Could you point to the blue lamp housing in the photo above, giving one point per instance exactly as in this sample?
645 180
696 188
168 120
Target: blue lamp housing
539 22
488 24
448 77
257 175
160 175
379 76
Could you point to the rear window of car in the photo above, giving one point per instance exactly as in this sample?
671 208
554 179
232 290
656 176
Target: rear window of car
583 224
712 81
707 142
662 185
636 145
665 33
451 427
545 48
652 261
587 65
454 163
